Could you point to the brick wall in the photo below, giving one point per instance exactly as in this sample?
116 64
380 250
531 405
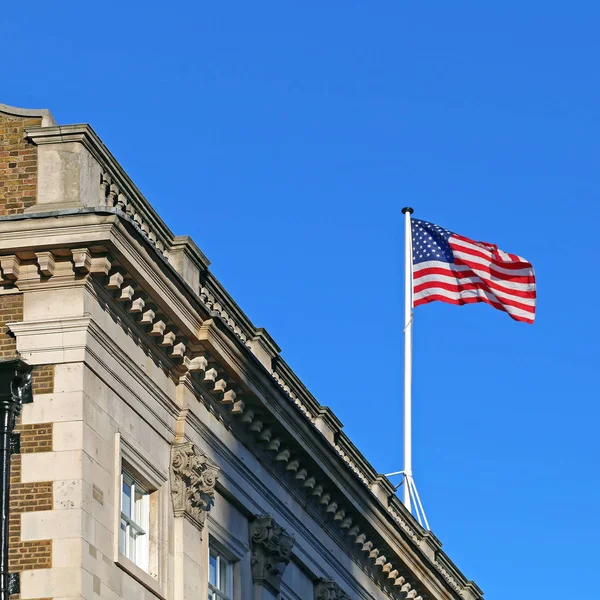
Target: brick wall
18 165
26 497
30 497
43 379
11 310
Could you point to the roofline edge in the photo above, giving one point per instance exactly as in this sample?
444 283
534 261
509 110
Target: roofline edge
16 111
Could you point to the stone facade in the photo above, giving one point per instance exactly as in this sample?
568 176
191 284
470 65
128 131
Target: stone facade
169 451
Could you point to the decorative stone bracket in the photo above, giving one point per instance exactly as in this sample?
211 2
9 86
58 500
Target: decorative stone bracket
271 552
193 479
327 589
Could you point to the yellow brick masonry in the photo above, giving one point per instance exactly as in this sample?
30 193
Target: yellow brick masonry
37 437
11 310
18 165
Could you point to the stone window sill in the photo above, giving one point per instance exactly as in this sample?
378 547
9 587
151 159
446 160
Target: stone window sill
151 584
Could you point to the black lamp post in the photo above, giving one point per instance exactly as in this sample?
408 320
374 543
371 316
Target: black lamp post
15 390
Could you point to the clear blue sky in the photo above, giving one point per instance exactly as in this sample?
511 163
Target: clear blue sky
285 137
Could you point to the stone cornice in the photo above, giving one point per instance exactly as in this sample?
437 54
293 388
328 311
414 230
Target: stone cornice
218 300
178 326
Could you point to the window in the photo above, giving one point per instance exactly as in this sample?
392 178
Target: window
135 521
220 576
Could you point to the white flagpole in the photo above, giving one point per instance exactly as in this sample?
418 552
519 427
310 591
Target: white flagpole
408 313
410 495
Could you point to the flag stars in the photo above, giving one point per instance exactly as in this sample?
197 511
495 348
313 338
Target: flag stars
430 242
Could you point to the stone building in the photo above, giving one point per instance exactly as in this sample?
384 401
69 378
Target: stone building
169 451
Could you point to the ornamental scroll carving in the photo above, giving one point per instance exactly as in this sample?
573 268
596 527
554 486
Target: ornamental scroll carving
271 552
193 479
326 589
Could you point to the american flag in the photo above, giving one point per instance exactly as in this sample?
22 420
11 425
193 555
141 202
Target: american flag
452 268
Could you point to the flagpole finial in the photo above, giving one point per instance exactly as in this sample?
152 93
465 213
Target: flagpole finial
408 209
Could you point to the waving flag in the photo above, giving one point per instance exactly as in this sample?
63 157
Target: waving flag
452 268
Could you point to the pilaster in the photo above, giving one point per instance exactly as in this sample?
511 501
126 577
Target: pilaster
328 424
263 346
471 591
382 488
188 260
430 545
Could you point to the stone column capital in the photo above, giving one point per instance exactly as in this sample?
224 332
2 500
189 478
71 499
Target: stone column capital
327 589
271 551
193 477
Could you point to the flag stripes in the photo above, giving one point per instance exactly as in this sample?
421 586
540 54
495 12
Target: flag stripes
454 269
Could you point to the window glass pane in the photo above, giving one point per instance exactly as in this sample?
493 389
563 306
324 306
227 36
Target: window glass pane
223 583
212 569
135 522
220 576
122 534
126 498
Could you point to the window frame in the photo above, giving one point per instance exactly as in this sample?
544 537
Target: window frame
140 554
129 456
225 543
214 592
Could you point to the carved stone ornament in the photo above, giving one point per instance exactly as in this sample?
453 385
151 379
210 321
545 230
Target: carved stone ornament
271 552
326 589
193 479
